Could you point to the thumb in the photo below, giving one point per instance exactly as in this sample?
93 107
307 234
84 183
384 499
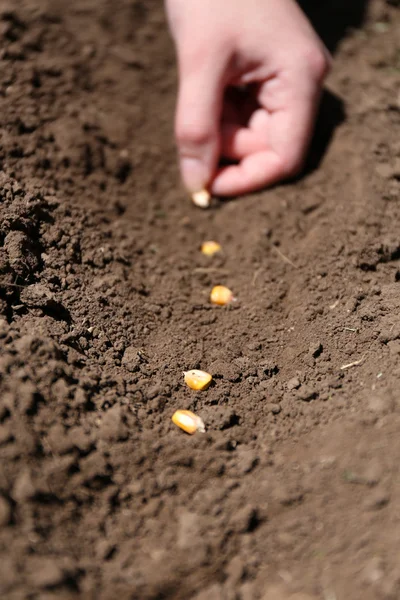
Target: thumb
197 124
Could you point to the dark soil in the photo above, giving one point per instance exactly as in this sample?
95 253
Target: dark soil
293 493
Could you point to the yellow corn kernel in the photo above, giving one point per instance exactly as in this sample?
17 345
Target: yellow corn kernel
188 421
210 248
202 199
221 295
197 380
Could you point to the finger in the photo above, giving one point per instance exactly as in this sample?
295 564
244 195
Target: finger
238 142
290 126
254 172
287 133
198 117
282 156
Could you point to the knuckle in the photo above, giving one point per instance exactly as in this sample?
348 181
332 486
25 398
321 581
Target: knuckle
318 61
192 133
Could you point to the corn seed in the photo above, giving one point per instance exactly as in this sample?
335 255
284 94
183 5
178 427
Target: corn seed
197 380
202 199
210 248
188 421
221 295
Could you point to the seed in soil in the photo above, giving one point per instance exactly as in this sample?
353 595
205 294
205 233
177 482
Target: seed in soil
210 248
197 380
221 295
202 199
188 421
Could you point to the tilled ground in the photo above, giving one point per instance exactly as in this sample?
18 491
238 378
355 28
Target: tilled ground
293 493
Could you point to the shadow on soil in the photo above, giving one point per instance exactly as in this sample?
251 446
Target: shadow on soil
331 114
332 19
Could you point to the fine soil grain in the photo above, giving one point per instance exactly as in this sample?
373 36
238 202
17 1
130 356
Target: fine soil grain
293 492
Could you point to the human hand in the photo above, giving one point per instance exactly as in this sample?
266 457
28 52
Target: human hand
251 74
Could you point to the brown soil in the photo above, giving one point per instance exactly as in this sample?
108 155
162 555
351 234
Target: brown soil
293 493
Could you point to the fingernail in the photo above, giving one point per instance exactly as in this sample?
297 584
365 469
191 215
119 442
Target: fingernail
194 174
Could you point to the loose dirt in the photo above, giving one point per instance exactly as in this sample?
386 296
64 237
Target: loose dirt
293 493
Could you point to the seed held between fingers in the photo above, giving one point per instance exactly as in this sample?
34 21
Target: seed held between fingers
202 199
188 421
197 380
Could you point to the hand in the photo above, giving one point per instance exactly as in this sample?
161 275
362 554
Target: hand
251 74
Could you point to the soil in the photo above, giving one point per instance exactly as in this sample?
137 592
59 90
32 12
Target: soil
293 492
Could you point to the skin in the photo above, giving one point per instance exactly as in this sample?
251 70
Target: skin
250 80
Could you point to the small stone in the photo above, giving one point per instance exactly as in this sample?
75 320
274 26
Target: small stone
131 359
306 394
275 409
293 384
254 346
